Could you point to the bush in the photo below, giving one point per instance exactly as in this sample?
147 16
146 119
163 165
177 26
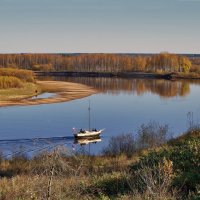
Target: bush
10 82
122 144
108 184
148 136
23 75
184 153
152 135
153 181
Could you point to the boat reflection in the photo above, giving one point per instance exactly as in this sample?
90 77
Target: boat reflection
85 141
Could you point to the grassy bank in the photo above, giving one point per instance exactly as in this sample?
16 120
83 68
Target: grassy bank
170 171
16 84
17 94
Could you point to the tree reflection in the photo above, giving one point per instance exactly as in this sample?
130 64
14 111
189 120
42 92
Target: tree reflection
163 88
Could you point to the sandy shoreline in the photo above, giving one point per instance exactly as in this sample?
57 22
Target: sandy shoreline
64 91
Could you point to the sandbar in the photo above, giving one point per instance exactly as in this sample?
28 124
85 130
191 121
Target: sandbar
64 91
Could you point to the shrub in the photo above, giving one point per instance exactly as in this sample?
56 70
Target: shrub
152 135
122 144
184 153
148 136
10 82
153 182
110 184
23 75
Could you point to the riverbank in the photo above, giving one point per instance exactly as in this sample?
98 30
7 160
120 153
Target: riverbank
14 94
63 91
161 173
168 76
103 74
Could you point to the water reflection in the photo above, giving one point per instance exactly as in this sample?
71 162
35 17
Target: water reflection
85 141
161 87
43 95
31 147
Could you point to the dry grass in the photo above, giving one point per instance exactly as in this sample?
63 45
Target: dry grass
24 75
26 187
13 95
10 82
29 179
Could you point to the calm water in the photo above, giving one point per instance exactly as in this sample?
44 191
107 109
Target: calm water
121 106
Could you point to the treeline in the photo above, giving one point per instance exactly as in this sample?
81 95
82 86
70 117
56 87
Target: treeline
163 62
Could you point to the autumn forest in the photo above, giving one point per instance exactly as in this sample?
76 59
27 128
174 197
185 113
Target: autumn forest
163 62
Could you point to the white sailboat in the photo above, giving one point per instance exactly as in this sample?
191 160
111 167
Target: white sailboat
87 133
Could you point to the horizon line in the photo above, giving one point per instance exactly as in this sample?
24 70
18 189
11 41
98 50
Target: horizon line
189 53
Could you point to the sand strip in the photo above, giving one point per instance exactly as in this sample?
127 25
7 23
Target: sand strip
64 91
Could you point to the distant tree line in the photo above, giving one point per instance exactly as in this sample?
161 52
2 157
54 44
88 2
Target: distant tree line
163 62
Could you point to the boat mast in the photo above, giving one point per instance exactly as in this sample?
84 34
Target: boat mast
89 114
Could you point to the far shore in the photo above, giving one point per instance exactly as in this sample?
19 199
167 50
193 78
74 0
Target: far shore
169 76
64 91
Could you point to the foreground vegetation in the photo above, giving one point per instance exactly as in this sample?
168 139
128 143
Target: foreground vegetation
167 170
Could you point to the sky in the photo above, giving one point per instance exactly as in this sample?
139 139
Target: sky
99 26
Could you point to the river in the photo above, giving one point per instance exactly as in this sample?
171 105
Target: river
121 106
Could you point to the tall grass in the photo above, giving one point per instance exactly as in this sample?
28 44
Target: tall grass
23 75
10 82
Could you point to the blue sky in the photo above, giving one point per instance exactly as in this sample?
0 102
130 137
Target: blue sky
144 26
